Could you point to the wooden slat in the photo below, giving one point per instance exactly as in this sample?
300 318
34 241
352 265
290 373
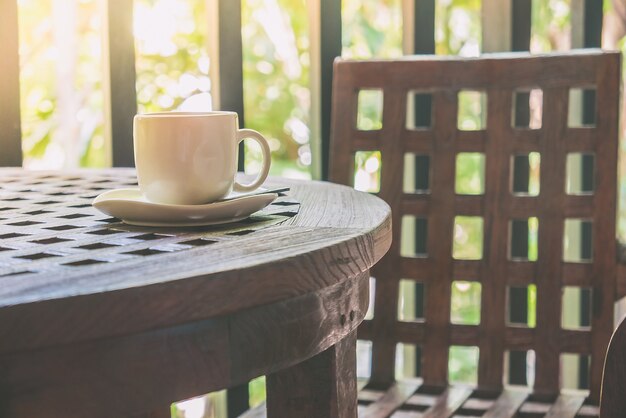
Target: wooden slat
603 233
469 205
360 382
369 143
521 272
395 396
10 129
386 300
474 140
437 314
422 269
448 403
495 258
581 206
576 341
520 337
581 139
417 204
466 335
507 404
418 142
120 94
566 406
578 274
576 68
470 270
551 221
520 207
411 332
525 140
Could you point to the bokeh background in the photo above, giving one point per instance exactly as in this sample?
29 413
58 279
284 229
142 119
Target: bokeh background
61 57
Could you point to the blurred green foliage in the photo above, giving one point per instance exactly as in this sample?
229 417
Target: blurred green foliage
367 171
172 61
276 70
61 88
458 27
470 173
467 242
257 391
465 303
463 365
371 28
369 110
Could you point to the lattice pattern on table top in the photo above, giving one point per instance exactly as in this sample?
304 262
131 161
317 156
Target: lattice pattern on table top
47 223
435 206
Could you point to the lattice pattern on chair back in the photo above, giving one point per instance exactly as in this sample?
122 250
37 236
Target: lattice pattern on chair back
439 145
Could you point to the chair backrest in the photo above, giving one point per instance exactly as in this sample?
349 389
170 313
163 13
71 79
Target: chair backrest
431 199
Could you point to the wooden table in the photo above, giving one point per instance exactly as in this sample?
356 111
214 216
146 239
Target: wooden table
101 319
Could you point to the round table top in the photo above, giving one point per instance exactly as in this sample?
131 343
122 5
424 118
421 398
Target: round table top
70 273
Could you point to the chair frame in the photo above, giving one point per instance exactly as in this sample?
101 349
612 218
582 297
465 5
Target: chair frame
499 76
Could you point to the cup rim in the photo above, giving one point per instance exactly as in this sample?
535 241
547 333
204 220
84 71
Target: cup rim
175 114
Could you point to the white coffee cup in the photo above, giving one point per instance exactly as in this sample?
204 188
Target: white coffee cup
186 158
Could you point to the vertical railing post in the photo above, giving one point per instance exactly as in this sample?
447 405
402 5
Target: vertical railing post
497 25
10 129
521 25
329 48
315 84
424 32
119 85
226 57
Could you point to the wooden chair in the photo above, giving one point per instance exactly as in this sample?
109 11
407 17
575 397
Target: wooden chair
434 147
614 377
613 399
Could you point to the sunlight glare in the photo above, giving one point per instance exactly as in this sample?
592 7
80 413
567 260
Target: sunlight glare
193 408
155 27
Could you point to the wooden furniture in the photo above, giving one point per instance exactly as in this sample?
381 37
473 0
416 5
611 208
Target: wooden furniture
613 400
434 148
101 319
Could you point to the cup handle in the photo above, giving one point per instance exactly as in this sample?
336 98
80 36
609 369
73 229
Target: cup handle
265 169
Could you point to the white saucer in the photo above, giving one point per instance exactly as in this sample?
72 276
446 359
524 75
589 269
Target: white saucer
133 208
